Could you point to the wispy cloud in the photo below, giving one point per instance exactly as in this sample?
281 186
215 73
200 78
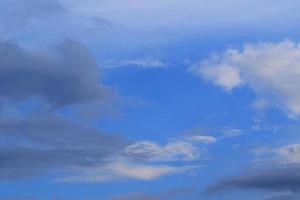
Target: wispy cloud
144 63
122 168
153 196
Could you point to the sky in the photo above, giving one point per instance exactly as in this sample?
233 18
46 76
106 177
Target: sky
152 100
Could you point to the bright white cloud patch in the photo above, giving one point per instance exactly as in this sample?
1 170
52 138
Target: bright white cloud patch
272 70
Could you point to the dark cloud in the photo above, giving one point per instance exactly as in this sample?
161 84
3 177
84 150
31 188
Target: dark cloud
158 196
285 197
65 76
277 178
40 145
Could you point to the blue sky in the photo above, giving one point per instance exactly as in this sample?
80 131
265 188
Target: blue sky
153 100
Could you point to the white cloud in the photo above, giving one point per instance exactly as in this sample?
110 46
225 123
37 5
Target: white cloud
272 70
185 148
203 138
122 168
289 154
144 63
145 160
232 132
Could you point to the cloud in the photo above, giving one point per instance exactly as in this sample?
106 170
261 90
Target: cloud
17 13
278 178
123 168
203 138
287 154
62 150
67 75
185 16
184 148
173 151
41 145
278 171
149 196
142 160
271 70
145 63
285 197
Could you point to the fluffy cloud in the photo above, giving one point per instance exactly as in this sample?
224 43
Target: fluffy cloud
272 70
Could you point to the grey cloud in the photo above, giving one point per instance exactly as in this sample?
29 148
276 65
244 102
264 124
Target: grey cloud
67 75
285 197
40 145
276 178
158 196
16 13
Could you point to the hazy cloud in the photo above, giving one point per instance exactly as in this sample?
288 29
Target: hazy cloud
285 197
17 13
124 168
145 63
155 196
40 145
177 150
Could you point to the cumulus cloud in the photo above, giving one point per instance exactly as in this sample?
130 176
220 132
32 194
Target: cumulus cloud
66 75
271 70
